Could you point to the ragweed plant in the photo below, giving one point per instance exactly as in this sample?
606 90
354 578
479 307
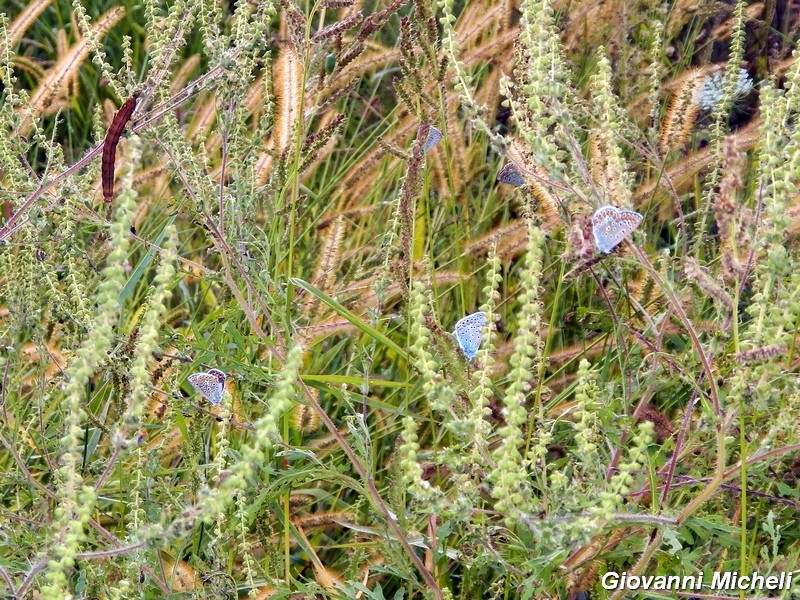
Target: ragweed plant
278 216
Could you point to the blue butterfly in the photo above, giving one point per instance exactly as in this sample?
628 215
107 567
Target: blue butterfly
468 334
433 138
511 175
611 226
211 385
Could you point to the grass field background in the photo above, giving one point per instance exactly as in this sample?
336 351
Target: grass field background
280 213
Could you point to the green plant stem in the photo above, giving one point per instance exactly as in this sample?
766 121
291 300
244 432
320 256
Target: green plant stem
743 496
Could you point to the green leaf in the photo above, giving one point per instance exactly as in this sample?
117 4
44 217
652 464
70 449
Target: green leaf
140 269
355 380
365 327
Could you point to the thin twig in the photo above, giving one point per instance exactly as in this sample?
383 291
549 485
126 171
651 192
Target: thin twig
224 152
112 551
687 417
9 583
109 467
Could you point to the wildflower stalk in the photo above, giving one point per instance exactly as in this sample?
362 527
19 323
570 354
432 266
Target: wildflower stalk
462 81
76 501
510 478
434 389
539 104
220 461
656 75
136 516
427 496
150 333
481 390
620 484
587 426
267 431
720 116
613 169
98 54
244 547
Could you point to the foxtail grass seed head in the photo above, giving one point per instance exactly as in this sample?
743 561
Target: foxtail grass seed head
305 419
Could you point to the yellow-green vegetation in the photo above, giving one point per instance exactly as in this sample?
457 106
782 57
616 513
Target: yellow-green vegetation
279 215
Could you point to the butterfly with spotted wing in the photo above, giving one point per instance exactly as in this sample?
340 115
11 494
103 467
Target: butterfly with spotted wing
210 385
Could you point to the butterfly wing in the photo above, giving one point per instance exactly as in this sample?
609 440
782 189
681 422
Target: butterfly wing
604 228
221 377
209 386
511 175
610 226
434 137
468 333
630 220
